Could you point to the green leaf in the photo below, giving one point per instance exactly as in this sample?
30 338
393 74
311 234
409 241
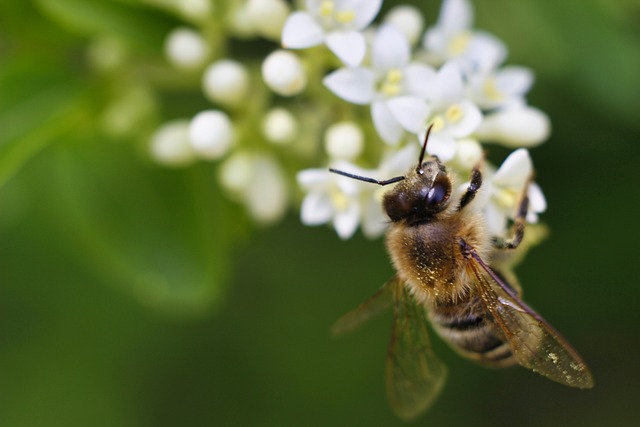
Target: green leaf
159 234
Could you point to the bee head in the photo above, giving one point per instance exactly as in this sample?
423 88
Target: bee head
423 193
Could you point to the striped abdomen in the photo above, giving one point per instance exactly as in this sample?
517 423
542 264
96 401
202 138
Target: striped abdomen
463 324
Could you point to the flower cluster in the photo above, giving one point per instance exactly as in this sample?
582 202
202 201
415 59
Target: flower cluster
363 87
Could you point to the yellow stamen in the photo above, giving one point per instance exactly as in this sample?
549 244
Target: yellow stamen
459 43
491 90
339 199
454 114
394 76
326 8
438 123
345 16
506 198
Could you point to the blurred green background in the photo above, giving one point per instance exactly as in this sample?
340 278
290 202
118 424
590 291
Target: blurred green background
133 295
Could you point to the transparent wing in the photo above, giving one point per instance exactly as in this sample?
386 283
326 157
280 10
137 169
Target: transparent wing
535 344
365 311
415 375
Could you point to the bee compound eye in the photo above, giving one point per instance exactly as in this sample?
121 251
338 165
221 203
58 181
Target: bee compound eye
436 194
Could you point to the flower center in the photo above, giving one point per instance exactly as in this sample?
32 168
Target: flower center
491 90
506 198
392 83
339 199
454 114
328 13
438 123
458 44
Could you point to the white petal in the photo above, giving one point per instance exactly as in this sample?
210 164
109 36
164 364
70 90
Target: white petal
349 46
409 111
515 127
515 170
301 31
442 146
407 19
374 220
448 87
355 85
346 222
365 11
486 52
417 79
471 118
496 220
514 80
390 49
399 161
316 209
537 201
311 178
386 125
455 16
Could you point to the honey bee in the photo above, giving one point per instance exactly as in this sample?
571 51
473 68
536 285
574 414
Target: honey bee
446 275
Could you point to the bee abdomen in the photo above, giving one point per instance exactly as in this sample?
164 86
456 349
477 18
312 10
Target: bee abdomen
471 334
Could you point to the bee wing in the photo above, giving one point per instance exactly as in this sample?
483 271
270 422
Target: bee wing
415 375
365 311
535 344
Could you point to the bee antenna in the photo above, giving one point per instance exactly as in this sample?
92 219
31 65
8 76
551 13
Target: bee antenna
424 149
366 179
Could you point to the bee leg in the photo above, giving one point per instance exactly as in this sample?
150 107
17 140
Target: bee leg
474 185
517 229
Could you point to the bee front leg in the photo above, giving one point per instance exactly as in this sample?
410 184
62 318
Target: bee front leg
517 228
474 185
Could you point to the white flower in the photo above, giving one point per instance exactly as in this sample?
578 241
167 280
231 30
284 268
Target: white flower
468 154
331 197
391 76
282 71
226 82
258 182
452 38
266 197
502 88
451 114
521 126
186 48
344 141
280 126
505 188
336 23
267 16
211 134
408 19
170 144
394 163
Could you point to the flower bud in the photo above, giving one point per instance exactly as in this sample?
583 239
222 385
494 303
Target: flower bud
268 17
282 72
226 82
266 197
211 134
280 126
185 48
344 141
515 127
468 154
170 144
196 10
235 173
408 20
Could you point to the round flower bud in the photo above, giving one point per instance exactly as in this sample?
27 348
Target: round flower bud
515 127
239 23
344 141
170 144
226 82
268 17
266 197
408 20
468 154
282 71
185 48
196 10
280 126
211 134
235 173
